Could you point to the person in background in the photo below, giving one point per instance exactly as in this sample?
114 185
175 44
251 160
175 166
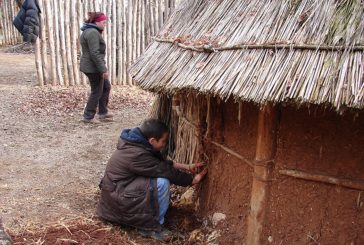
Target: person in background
27 21
135 189
94 66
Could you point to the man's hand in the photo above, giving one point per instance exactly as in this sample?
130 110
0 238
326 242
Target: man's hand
198 177
193 168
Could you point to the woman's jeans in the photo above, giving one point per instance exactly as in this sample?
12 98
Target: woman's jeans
163 197
100 91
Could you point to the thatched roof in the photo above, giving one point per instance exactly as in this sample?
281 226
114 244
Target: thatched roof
297 50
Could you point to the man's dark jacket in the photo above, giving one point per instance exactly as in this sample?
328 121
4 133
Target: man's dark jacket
27 21
129 186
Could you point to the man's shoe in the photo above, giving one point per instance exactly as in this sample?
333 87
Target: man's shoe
163 235
91 121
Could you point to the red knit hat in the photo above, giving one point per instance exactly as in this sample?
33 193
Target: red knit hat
101 18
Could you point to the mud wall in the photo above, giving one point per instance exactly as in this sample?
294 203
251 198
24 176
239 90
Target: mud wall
227 187
305 212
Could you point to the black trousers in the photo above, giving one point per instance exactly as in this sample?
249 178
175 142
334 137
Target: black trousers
100 91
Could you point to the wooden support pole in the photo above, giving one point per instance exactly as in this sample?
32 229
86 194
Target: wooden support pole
265 153
349 183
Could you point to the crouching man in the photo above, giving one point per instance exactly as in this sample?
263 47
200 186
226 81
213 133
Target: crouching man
135 189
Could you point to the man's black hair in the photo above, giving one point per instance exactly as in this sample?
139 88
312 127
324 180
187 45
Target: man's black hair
153 128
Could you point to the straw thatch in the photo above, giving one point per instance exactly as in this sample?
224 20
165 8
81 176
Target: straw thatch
292 50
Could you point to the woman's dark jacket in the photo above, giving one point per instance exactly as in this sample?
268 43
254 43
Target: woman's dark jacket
93 50
129 186
27 21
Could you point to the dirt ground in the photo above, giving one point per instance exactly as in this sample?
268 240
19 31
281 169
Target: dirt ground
51 163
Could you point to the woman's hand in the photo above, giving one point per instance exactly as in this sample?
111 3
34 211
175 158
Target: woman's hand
105 75
198 177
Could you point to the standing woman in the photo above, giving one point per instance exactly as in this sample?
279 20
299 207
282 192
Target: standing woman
94 66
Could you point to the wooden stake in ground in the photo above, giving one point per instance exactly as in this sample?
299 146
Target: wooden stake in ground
119 42
43 42
48 14
61 6
134 29
38 62
109 53
81 15
166 10
57 43
265 152
138 28
113 42
68 42
74 47
124 42
142 27
129 38
160 14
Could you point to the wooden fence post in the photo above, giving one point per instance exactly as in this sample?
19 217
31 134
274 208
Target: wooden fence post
74 38
265 153
63 42
43 42
48 14
38 62
57 43
113 42
132 24
124 43
68 43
